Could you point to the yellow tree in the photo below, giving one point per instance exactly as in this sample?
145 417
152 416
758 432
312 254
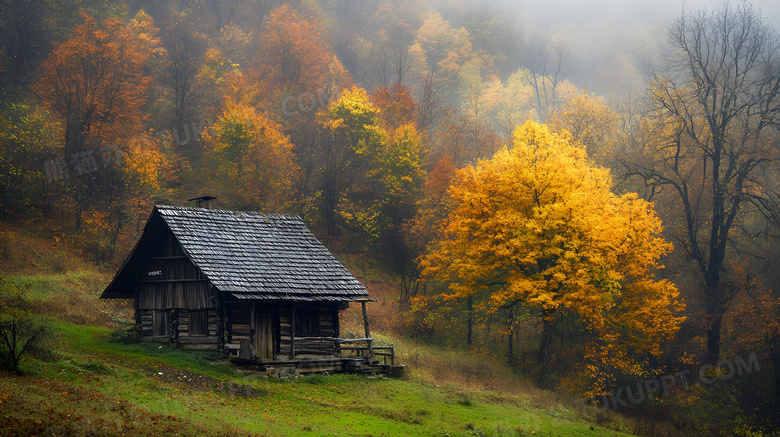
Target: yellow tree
372 171
514 106
401 177
539 225
253 162
353 137
591 123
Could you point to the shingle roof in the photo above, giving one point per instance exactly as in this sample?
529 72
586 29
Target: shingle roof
252 256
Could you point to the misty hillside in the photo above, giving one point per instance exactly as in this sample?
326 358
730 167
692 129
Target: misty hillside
585 193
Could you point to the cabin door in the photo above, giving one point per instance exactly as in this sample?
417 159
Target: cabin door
264 335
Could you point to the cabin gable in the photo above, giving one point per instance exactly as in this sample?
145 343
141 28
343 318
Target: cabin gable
169 279
175 302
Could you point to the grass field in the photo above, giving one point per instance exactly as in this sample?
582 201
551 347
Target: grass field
94 386
87 385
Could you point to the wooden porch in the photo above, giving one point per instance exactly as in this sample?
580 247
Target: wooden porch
355 355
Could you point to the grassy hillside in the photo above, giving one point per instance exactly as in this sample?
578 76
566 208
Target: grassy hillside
86 384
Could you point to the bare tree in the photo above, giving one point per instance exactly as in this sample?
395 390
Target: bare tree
545 68
185 56
397 21
392 57
20 331
346 38
399 47
262 9
429 101
714 116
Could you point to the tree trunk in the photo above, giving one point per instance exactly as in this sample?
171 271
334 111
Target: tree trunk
470 323
544 345
510 352
776 363
715 309
713 337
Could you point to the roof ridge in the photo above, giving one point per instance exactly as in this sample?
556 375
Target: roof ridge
232 211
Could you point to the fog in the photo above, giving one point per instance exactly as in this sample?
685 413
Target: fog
610 41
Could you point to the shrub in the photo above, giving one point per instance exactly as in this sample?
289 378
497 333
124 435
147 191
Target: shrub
20 331
126 335
465 401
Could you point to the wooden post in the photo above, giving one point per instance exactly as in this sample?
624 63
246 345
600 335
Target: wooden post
221 331
173 334
337 331
292 331
277 330
368 333
252 333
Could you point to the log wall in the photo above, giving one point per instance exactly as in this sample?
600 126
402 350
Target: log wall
144 318
187 341
237 327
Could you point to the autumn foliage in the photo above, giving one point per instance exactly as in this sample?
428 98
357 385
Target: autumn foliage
251 159
392 130
293 56
96 82
538 226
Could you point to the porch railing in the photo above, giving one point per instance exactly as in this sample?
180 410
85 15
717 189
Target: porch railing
368 351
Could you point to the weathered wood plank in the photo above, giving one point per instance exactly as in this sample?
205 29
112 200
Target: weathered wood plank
200 346
198 339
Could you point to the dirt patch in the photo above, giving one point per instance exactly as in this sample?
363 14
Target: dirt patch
198 382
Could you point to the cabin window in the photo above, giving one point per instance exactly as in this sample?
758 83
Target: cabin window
307 323
162 323
199 322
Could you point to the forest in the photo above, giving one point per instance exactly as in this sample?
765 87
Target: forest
602 246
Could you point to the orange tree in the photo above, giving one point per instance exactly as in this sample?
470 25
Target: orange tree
293 56
253 163
95 84
538 225
294 76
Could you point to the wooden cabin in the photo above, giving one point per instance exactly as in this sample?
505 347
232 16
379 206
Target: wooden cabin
246 284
